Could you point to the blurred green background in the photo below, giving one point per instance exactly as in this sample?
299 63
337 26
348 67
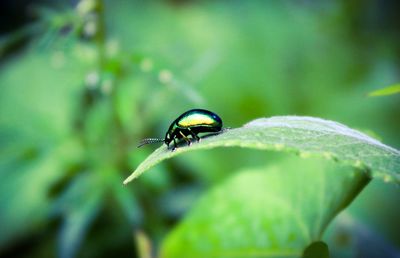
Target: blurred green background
81 82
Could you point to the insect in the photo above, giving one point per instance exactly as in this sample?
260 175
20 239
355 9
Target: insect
190 123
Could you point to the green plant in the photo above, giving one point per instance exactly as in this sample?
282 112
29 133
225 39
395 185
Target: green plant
91 80
270 212
390 90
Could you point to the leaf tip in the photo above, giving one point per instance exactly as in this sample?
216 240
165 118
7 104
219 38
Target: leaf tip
128 179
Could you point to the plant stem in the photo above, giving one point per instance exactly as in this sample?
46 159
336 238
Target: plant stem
100 36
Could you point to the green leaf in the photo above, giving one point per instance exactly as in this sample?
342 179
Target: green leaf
303 135
25 187
275 211
390 90
125 198
79 206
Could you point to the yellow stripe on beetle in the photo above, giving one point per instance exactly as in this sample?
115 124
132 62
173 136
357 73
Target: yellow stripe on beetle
196 119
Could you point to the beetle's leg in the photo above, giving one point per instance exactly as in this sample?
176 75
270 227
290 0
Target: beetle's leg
185 138
193 135
174 147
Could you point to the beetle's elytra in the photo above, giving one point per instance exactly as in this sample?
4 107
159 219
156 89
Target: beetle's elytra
187 127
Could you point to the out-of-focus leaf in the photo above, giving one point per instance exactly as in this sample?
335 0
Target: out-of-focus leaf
37 96
36 141
304 135
390 90
24 203
79 206
98 123
128 98
177 201
125 198
143 244
24 189
269 212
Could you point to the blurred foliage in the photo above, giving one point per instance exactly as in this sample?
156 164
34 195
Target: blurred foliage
95 77
266 212
390 90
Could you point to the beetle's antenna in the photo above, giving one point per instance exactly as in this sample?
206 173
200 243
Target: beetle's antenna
149 141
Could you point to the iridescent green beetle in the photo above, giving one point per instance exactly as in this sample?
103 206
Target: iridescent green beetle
190 123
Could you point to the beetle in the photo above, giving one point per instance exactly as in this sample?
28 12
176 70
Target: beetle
190 123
